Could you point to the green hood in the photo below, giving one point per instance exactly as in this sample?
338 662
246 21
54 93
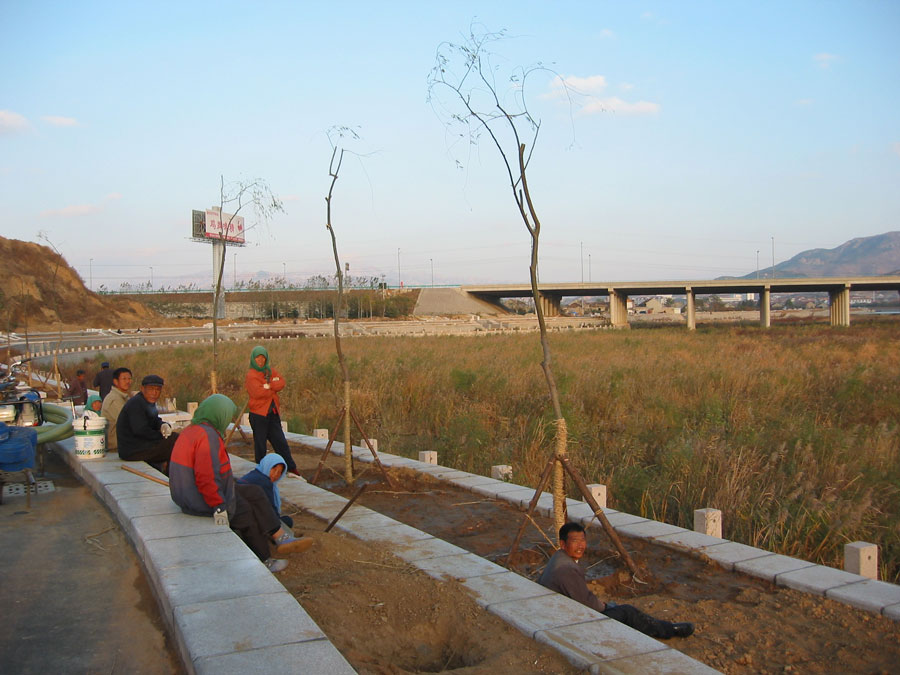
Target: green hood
217 410
256 352
91 399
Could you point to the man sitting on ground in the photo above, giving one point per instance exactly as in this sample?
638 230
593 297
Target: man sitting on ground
142 435
564 574
113 403
202 484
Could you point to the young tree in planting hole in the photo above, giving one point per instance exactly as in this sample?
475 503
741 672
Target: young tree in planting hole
465 89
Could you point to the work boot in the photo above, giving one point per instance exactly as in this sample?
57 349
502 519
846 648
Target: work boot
276 565
287 544
683 629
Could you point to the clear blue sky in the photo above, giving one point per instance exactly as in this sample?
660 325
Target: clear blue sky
707 129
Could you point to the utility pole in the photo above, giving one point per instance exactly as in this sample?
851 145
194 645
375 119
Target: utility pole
91 282
757 264
151 276
589 268
234 271
399 278
432 271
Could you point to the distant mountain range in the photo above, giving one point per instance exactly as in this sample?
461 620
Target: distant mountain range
863 257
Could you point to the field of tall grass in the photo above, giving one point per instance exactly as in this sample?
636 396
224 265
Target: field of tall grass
792 432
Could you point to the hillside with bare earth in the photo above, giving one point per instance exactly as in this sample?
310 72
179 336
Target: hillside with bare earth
40 291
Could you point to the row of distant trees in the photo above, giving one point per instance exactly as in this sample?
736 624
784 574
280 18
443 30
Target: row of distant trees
314 283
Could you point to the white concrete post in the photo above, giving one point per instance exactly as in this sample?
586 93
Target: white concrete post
321 433
192 407
284 426
709 522
501 472
373 442
245 420
861 558
598 492
428 456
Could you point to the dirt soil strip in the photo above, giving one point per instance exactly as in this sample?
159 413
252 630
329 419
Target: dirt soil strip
744 624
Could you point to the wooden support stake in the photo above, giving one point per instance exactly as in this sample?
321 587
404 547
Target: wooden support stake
146 475
598 513
545 476
236 424
346 506
328 447
372 450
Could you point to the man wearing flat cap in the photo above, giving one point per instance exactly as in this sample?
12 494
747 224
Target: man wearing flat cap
142 435
103 380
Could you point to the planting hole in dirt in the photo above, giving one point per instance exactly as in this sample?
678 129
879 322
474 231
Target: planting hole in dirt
744 624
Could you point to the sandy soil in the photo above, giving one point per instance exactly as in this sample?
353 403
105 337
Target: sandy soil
400 621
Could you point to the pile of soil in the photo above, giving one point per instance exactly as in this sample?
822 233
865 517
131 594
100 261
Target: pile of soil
744 624
41 289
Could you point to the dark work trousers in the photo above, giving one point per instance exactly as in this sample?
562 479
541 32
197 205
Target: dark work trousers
254 519
160 451
268 428
635 618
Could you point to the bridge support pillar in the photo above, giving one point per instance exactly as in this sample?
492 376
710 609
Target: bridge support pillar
765 312
618 309
839 302
550 304
691 309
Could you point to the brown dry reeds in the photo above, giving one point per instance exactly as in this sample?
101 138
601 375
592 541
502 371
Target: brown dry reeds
792 432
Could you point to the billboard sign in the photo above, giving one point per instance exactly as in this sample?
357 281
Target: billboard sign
216 225
210 225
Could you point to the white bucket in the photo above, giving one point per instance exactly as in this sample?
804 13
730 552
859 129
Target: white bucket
90 437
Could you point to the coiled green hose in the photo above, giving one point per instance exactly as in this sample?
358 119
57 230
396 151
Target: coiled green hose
60 424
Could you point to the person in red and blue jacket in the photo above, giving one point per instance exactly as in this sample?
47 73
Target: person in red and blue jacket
263 384
201 483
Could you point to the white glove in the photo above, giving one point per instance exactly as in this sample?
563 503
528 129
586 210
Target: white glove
275 379
166 429
266 386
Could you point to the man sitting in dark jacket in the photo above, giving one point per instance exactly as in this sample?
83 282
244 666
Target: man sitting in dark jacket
141 433
565 575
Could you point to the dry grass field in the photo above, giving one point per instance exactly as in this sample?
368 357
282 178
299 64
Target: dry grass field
792 432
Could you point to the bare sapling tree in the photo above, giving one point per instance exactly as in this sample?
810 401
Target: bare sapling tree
335 138
234 198
481 105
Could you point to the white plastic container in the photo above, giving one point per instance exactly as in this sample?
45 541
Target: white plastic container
90 437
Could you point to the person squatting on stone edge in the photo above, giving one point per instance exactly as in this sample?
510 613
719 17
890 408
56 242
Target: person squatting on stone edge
263 384
565 574
267 474
202 484
141 434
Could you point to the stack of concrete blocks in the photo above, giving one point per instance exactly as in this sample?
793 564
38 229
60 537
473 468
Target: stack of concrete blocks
320 433
502 472
708 522
428 457
598 492
861 558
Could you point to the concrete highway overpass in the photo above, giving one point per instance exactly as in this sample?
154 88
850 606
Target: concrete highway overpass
551 295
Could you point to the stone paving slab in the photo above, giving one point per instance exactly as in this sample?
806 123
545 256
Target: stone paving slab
425 548
502 587
391 532
771 566
596 641
730 553
817 579
226 626
664 662
314 656
468 482
621 519
544 612
142 529
870 595
649 529
191 584
463 566
496 489
892 612
155 505
687 539
199 548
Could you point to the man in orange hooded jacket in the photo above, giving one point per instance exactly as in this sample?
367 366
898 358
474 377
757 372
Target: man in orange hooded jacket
263 384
